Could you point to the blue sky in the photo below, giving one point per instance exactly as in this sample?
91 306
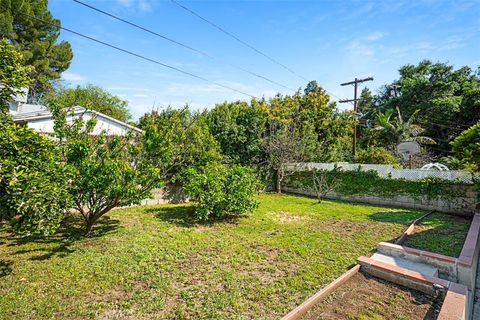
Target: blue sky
327 41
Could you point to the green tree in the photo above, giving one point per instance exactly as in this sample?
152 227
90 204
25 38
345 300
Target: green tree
34 192
375 155
30 27
286 145
179 140
288 138
94 98
466 147
304 127
366 105
107 171
312 86
332 127
239 128
448 99
396 129
13 75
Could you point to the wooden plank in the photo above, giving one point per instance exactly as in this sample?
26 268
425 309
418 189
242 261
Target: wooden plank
299 311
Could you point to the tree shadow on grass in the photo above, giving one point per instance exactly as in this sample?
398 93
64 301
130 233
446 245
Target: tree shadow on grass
59 244
445 237
183 216
404 217
5 268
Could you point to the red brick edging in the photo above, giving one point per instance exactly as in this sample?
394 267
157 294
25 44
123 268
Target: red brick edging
468 250
402 276
454 304
416 252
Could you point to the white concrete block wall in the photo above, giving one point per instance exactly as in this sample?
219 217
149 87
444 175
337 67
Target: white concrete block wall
402 201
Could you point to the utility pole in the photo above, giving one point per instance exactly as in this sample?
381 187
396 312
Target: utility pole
355 106
396 89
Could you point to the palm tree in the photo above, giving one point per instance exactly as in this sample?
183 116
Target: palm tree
397 130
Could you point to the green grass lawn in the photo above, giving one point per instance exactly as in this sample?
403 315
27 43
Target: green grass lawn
440 233
153 262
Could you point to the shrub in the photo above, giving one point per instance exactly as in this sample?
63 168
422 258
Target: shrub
34 195
108 171
466 148
375 155
221 191
13 74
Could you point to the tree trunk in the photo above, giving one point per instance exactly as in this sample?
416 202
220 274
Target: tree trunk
89 227
279 181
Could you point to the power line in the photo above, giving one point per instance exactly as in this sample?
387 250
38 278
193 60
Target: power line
452 123
231 35
445 126
137 55
203 53
448 127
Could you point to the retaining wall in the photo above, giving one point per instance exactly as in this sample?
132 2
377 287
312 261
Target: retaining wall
166 195
462 205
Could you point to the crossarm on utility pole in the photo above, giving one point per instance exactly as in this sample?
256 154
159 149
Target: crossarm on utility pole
355 106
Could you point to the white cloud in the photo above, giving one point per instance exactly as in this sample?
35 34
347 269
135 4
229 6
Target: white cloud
73 77
361 11
424 46
138 5
129 89
359 48
374 36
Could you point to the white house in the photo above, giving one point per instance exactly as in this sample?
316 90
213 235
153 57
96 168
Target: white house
40 119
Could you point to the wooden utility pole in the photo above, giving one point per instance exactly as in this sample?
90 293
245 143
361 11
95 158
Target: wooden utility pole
396 89
355 106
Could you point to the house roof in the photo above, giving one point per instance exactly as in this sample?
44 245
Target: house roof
76 110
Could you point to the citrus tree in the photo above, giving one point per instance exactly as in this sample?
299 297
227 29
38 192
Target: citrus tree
106 171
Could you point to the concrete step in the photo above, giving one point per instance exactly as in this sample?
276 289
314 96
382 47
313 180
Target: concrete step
422 268
402 276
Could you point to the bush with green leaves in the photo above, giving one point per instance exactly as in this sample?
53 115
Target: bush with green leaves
13 75
177 140
34 194
466 148
375 155
107 171
220 191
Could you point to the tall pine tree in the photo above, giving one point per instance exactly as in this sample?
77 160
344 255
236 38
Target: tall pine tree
31 28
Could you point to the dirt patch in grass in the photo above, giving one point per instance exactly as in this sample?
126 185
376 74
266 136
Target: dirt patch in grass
364 297
440 233
286 217
115 314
